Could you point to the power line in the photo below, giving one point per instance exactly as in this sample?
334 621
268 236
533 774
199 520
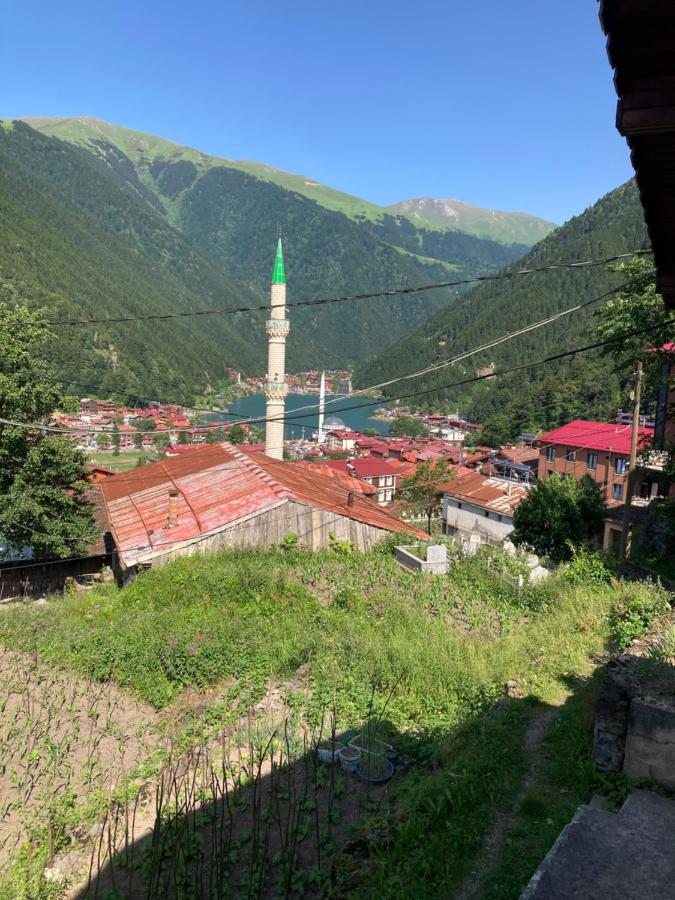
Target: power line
586 263
252 420
34 426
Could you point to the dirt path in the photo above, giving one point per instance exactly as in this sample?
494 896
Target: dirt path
489 853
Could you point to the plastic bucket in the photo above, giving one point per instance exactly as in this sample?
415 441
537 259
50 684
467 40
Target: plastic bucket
349 758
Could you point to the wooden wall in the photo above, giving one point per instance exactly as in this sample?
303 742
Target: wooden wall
312 526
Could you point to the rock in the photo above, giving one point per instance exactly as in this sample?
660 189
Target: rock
532 560
650 742
510 548
611 718
539 573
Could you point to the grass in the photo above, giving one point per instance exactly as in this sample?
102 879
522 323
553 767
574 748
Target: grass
427 657
123 462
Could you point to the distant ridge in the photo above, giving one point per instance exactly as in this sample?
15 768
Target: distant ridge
506 227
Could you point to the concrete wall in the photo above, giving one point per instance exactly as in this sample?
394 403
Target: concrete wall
470 519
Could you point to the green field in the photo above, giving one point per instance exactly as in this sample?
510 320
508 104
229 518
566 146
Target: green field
123 462
455 672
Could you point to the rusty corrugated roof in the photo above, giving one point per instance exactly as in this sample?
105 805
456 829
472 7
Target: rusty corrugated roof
214 487
489 493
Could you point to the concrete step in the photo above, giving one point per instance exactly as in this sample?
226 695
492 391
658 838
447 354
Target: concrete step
602 855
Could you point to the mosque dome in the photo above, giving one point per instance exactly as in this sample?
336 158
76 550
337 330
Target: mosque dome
333 423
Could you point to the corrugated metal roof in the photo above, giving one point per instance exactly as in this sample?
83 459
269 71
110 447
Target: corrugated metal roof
217 486
489 493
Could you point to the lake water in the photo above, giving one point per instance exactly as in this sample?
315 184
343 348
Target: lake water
253 406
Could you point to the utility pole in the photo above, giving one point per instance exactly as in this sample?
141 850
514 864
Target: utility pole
625 545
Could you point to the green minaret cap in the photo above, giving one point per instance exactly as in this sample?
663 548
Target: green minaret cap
279 275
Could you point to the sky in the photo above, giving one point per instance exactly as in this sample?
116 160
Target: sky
507 104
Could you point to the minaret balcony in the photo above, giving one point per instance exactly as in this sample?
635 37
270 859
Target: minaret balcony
275 390
277 328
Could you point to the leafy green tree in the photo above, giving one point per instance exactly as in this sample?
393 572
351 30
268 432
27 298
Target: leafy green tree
424 490
408 426
634 309
43 478
138 440
236 435
559 514
370 432
496 431
160 440
183 437
215 435
145 424
116 441
103 440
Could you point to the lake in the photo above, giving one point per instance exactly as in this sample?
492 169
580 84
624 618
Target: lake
253 406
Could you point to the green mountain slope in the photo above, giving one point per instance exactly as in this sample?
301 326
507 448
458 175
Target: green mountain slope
506 227
232 211
74 245
542 397
144 149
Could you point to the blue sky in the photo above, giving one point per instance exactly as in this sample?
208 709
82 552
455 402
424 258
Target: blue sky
507 104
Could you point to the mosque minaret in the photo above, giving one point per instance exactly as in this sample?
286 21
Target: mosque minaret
276 388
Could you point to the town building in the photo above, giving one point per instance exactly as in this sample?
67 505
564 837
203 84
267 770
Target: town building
341 440
222 496
480 507
379 473
598 449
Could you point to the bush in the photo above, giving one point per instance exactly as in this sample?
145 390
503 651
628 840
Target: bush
636 608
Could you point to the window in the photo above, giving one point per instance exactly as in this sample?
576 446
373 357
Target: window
486 513
620 465
499 518
550 454
591 460
459 506
571 455
617 492
549 474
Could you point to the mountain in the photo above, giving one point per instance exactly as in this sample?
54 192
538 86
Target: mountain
142 149
505 227
583 386
334 244
74 245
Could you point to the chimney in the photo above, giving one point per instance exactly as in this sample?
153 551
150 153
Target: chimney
173 509
350 498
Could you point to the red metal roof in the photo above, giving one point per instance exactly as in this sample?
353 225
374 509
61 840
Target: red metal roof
371 468
215 486
596 436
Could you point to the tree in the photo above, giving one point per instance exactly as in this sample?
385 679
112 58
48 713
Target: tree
145 424
496 431
116 441
160 440
236 435
183 437
424 489
408 426
215 435
559 514
103 440
138 440
43 478
370 432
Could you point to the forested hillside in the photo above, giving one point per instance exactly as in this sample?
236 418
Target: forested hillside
539 397
212 225
74 245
